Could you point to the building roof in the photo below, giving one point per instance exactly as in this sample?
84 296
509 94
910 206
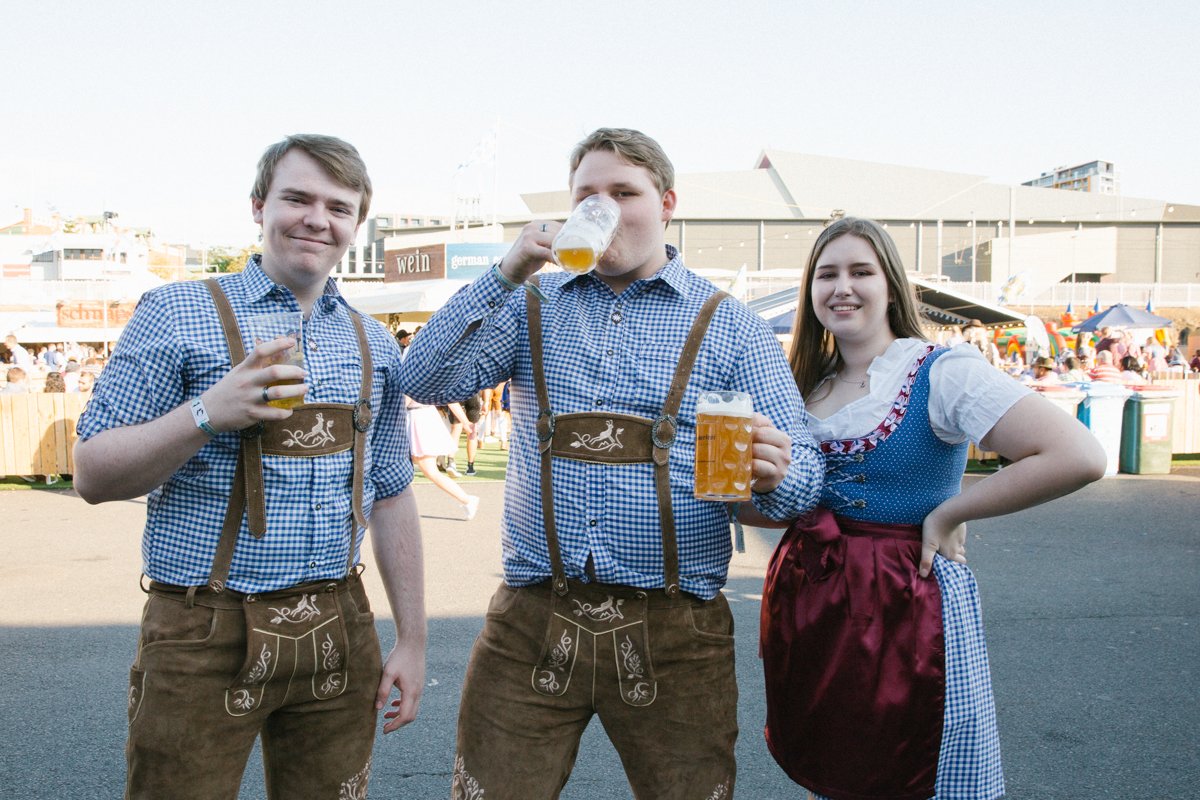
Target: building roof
786 185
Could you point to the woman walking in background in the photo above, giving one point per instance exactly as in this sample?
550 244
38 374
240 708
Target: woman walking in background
877 674
428 438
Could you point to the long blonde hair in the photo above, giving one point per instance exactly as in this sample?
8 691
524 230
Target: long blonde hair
814 351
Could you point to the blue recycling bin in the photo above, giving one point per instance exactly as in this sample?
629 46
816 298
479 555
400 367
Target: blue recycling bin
1102 410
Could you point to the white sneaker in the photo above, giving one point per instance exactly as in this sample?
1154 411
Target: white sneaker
471 506
452 471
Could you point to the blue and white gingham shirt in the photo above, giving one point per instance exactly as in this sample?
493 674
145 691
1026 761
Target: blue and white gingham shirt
172 350
616 354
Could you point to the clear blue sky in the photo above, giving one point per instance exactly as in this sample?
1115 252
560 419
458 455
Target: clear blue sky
159 110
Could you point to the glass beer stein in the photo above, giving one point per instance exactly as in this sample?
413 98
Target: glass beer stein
268 327
586 234
723 446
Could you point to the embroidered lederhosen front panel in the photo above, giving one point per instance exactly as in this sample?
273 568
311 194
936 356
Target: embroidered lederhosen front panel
300 637
585 613
316 429
602 438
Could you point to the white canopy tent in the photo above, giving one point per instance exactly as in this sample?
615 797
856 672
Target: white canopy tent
415 300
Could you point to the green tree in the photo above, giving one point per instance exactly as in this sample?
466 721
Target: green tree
223 259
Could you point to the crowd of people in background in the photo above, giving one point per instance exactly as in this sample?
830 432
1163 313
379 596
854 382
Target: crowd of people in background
1115 357
66 367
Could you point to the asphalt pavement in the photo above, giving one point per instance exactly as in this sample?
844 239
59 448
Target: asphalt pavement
1090 604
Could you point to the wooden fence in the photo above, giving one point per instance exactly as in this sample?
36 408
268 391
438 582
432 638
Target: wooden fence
37 433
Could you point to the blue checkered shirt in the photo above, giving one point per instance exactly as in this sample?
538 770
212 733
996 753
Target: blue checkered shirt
614 353
171 351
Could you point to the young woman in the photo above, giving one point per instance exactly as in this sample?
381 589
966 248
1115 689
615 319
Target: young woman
876 667
428 438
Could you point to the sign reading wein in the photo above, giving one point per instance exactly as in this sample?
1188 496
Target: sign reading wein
415 264
91 314
435 262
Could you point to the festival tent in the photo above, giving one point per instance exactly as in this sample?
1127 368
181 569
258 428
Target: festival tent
1122 316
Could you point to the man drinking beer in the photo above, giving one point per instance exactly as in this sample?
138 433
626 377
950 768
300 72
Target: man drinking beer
611 600
256 622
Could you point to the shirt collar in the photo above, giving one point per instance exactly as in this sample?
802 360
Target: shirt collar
257 284
673 273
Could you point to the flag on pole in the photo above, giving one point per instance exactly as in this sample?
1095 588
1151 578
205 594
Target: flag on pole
1150 303
1096 306
483 153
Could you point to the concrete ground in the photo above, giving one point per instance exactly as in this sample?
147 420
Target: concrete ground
1091 606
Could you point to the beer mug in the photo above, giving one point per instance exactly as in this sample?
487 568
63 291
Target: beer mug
586 234
723 446
267 328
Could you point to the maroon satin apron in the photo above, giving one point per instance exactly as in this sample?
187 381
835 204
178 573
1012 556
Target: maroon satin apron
854 656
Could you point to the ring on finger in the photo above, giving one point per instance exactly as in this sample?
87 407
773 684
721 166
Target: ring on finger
265 396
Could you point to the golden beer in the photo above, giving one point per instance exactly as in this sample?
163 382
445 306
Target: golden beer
724 449
586 234
268 327
577 260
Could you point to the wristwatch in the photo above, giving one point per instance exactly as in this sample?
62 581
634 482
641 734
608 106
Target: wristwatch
200 415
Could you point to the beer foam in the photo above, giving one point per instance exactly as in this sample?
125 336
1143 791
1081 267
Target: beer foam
730 404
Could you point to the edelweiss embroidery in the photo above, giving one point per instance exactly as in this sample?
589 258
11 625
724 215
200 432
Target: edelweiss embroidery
561 652
721 792
356 787
242 700
305 610
320 435
332 658
631 661
607 611
464 787
259 671
604 442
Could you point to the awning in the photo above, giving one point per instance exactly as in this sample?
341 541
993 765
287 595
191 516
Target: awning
404 298
936 302
942 304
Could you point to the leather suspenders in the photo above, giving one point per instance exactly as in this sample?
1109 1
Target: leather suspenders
613 438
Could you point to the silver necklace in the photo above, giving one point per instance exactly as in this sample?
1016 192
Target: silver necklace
860 384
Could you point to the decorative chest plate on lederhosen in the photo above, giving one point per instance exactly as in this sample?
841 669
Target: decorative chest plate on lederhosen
580 609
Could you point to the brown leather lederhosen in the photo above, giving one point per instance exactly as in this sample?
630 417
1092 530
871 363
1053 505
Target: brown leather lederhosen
215 666
314 429
605 438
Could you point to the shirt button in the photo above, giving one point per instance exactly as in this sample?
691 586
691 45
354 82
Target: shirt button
617 317
312 565
316 506
592 522
491 303
599 401
610 352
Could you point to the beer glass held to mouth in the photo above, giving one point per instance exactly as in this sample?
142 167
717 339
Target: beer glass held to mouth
724 452
586 234
268 327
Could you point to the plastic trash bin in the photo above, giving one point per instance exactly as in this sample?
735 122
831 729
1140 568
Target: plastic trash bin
1064 396
1101 411
1146 433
